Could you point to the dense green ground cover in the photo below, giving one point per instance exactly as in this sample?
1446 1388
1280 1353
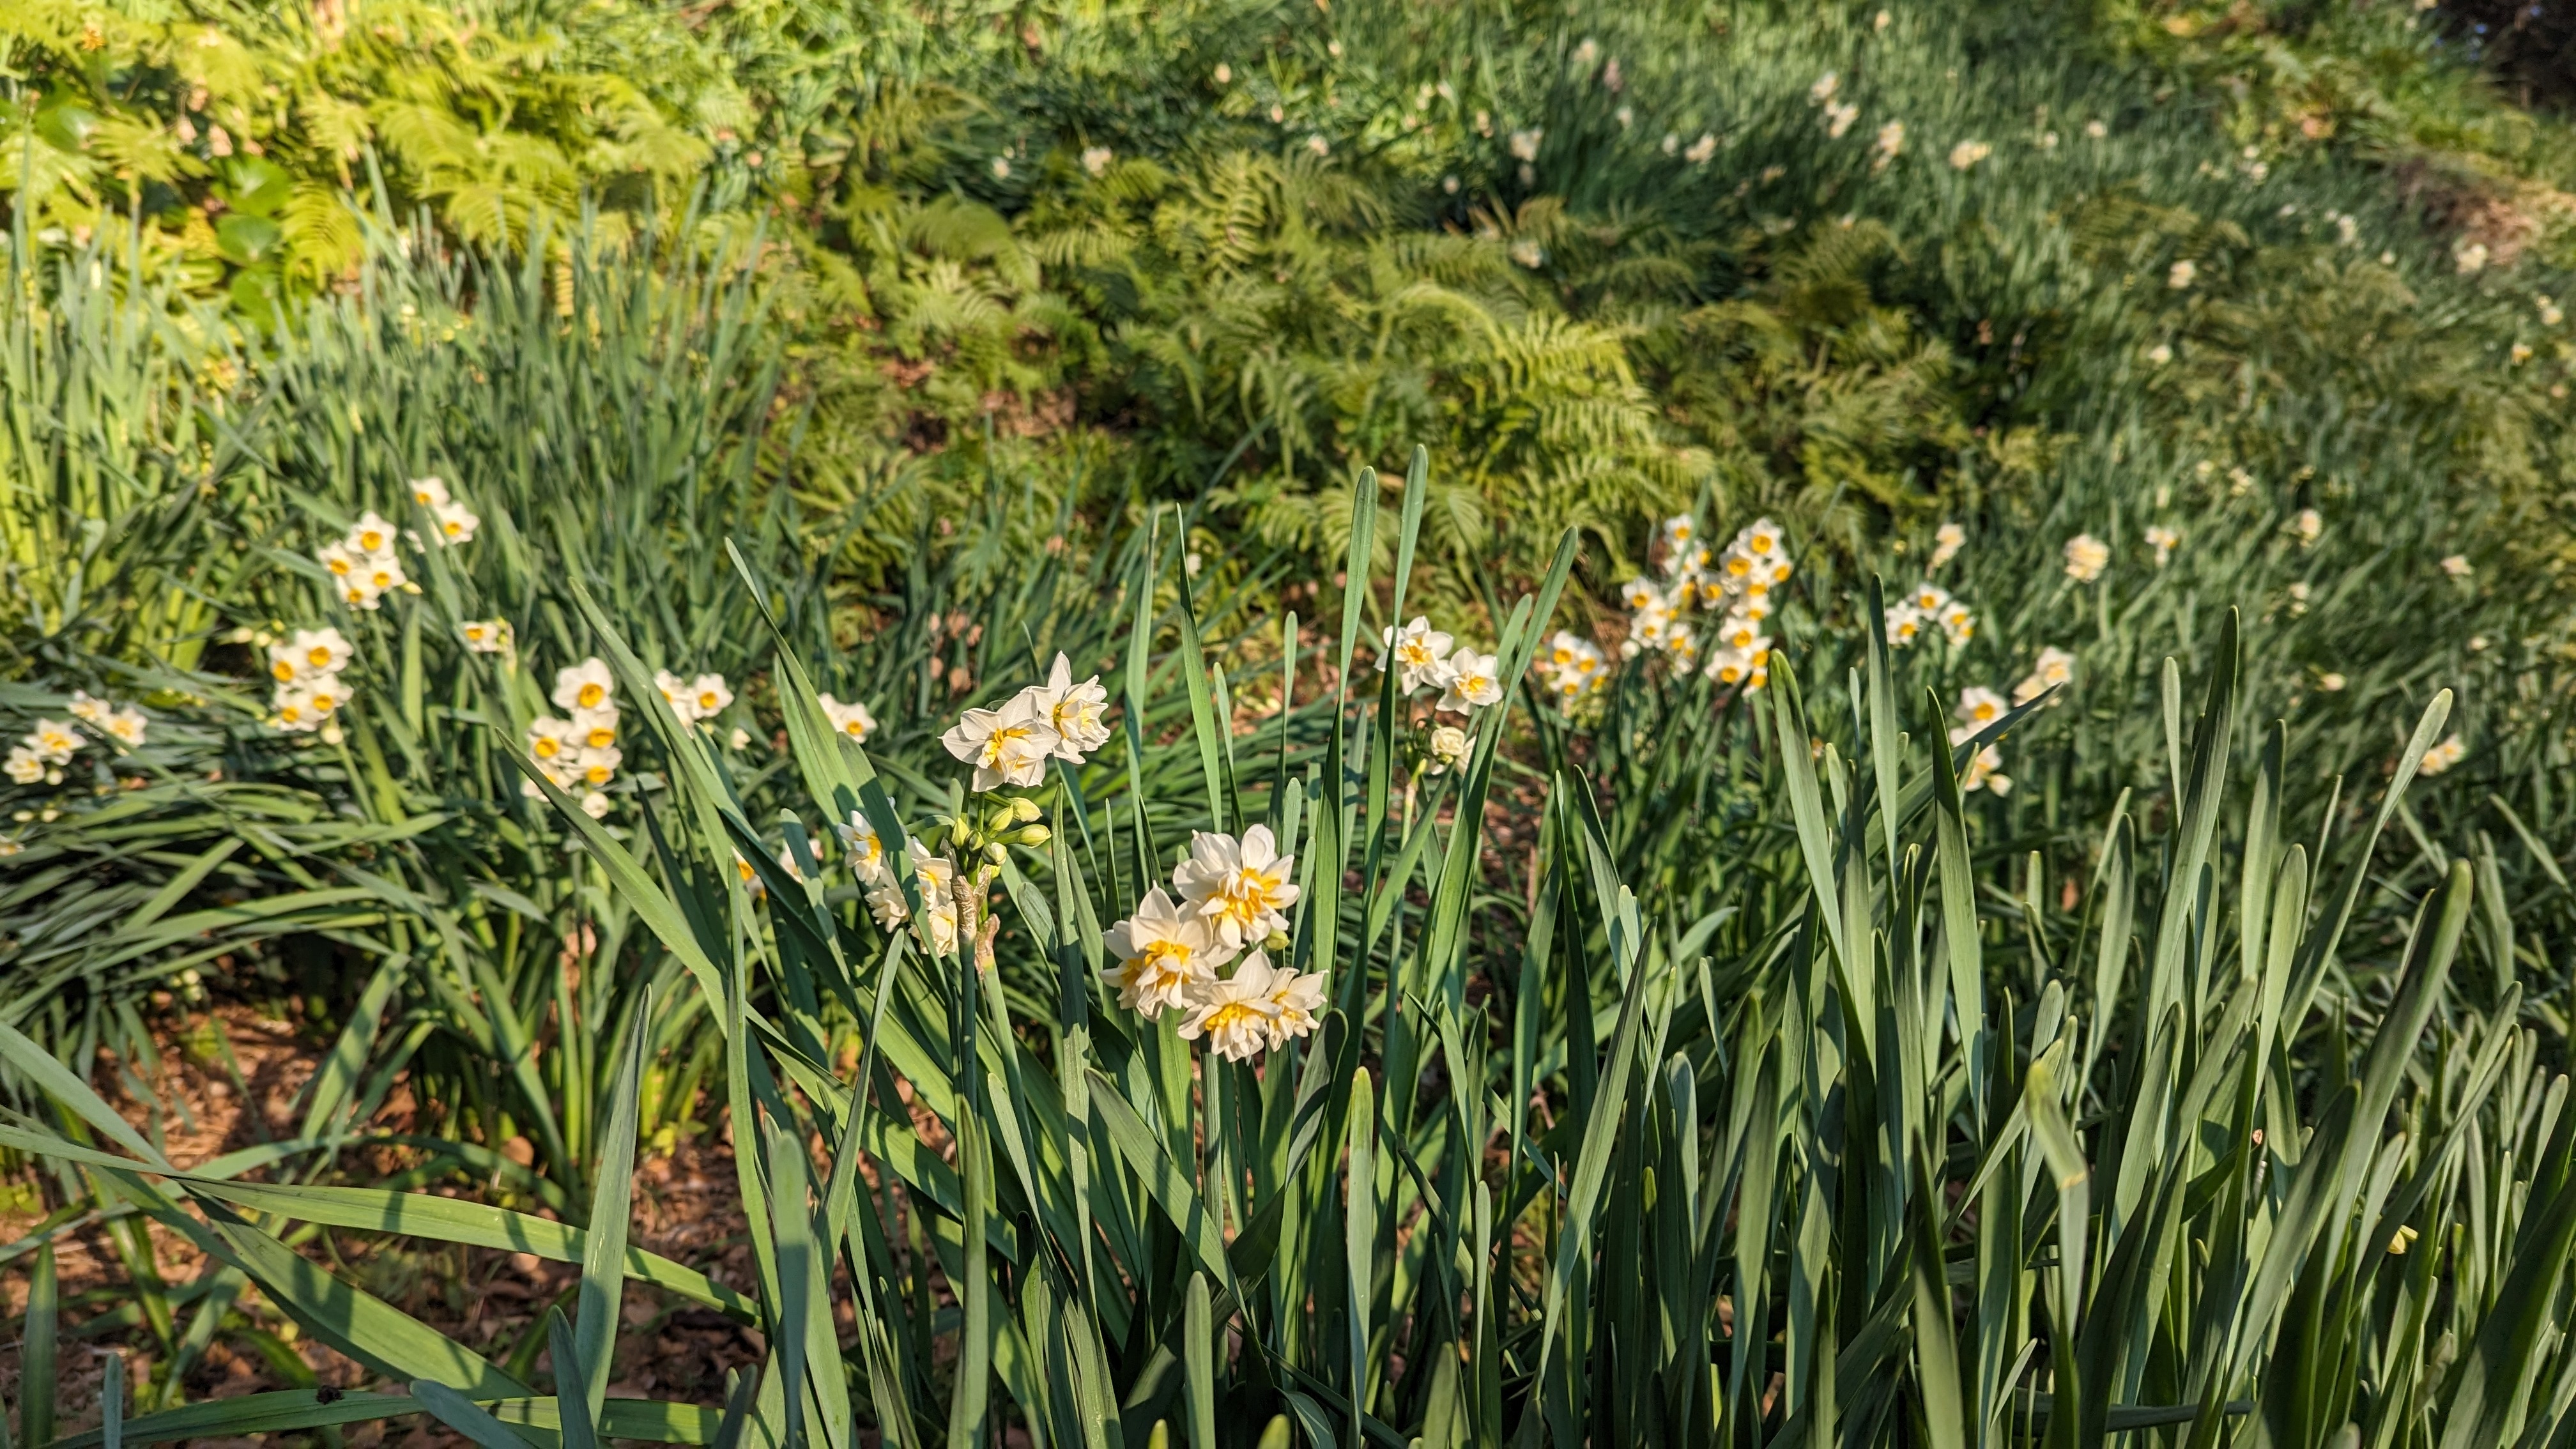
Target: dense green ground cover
2177 1053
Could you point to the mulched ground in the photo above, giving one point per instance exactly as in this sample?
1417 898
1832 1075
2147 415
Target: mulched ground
685 1209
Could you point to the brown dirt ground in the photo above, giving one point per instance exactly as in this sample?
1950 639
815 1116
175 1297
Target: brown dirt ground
685 1208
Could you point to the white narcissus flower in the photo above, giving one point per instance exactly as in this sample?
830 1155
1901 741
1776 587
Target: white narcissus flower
89 709
866 848
1073 711
2444 755
295 710
2181 274
2086 557
2308 524
52 741
1471 684
595 805
1243 887
1159 953
126 726
1979 706
327 693
586 685
429 492
1640 594
1947 540
1984 767
371 534
1735 667
1969 153
851 719
1957 621
338 558
1927 598
1417 652
934 876
1449 747
708 695
381 573
2164 541
485 636
675 691
1095 160
1741 635
2457 566
308 654
2053 667
23 767
1007 746
550 741
1234 1016
1294 997
456 523
595 729
750 877
598 764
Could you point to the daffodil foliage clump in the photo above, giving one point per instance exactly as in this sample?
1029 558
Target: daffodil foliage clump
1343 1135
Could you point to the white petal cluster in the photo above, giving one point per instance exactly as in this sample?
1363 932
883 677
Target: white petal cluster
1057 720
579 752
2052 668
451 521
935 877
1927 607
2444 755
363 564
2086 558
691 700
1172 954
1736 583
1574 669
851 719
2164 540
1241 888
485 636
1978 708
42 752
126 726
307 667
1259 1007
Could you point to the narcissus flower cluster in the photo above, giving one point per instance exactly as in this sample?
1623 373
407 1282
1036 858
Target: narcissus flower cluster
308 668
1230 898
578 749
1736 583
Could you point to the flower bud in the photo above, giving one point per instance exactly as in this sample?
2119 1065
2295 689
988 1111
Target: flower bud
957 832
1024 809
997 852
1036 835
1275 941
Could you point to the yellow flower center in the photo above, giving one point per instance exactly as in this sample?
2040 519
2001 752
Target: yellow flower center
709 701
1233 1016
600 737
317 657
1001 740
370 542
591 695
340 566
546 747
284 671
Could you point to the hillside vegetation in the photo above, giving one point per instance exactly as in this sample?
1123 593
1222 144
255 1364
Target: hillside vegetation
1276 722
